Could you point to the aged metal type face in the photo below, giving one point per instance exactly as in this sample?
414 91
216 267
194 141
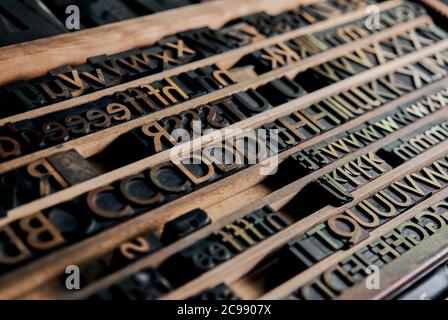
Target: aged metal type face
224 150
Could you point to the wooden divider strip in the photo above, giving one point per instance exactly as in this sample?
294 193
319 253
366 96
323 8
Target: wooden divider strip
113 237
252 122
238 266
296 282
245 182
90 144
276 199
365 76
78 189
34 58
231 54
397 273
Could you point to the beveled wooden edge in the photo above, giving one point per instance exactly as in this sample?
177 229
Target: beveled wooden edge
277 199
90 144
34 58
229 55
